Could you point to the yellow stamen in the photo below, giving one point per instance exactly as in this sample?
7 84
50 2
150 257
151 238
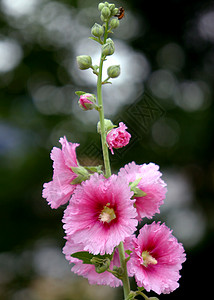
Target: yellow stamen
148 259
107 214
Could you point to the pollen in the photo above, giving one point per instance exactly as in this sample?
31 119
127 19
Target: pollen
148 259
107 214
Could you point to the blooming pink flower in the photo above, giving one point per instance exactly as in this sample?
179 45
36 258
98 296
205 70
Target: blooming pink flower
150 183
156 259
59 190
88 271
100 214
118 137
86 101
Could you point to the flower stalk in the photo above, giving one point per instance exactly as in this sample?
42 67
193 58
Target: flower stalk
125 279
101 112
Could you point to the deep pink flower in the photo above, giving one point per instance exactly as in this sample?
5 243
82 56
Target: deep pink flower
59 190
86 101
156 259
118 137
100 214
88 271
151 184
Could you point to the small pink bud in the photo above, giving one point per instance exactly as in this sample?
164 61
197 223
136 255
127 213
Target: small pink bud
87 101
118 137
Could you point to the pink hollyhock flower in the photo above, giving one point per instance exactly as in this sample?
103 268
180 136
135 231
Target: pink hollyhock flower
88 271
87 101
100 214
118 137
59 190
150 183
156 259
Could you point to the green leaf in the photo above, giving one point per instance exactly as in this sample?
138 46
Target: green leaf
96 40
86 257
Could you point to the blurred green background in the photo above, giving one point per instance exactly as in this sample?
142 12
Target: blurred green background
165 97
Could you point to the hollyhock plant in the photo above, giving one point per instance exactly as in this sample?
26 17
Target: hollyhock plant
118 137
103 242
59 190
100 214
156 259
150 183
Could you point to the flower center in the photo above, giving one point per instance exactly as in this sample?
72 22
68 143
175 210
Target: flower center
148 259
107 214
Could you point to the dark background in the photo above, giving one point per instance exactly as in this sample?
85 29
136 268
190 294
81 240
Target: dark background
165 96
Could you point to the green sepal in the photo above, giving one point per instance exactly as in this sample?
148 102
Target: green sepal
82 173
140 288
128 252
80 93
95 169
87 257
153 298
134 183
131 296
137 192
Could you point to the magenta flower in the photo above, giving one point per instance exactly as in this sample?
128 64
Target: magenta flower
87 101
156 259
150 183
100 214
118 137
88 271
59 190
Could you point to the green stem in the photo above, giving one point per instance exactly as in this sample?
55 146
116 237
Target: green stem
101 113
125 278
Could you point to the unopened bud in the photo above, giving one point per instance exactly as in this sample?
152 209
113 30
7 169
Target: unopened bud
114 23
100 6
84 62
108 48
113 71
105 12
87 101
115 11
108 125
97 30
111 7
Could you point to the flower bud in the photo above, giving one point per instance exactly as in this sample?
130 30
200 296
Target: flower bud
114 23
105 12
113 71
97 30
118 137
107 124
115 11
108 48
84 62
87 101
82 174
100 6
111 7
